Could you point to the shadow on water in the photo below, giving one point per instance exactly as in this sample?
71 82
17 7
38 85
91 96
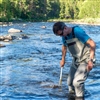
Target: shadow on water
30 70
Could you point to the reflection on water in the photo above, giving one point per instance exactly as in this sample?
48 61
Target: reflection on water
30 70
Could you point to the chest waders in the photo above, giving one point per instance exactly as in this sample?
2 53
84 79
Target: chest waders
79 51
78 73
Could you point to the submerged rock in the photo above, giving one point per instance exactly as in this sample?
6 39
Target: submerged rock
1 38
1 45
49 85
43 26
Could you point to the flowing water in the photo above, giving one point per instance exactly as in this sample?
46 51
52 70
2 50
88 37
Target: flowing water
30 70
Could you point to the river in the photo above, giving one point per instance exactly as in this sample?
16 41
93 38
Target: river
29 68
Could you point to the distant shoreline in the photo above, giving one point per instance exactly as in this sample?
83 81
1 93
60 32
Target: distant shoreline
87 21
84 23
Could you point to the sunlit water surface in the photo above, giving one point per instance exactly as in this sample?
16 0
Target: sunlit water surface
29 68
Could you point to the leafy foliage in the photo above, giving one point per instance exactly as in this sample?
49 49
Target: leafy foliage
90 8
42 10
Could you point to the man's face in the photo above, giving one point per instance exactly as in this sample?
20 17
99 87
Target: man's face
63 32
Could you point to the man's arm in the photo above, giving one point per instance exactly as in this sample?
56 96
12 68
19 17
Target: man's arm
92 45
64 50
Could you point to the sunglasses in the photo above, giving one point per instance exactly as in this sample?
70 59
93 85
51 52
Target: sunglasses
61 34
62 28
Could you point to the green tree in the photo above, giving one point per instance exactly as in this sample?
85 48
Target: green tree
36 9
42 10
53 9
62 9
90 9
68 9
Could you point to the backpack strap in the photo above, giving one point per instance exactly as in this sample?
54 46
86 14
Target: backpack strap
73 32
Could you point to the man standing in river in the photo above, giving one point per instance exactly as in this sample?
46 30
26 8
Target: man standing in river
82 49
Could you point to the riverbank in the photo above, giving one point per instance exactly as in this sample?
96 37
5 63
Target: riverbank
87 21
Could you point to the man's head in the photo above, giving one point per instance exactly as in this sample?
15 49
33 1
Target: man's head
58 28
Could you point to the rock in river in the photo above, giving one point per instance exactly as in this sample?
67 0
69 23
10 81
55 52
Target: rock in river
13 30
10 37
